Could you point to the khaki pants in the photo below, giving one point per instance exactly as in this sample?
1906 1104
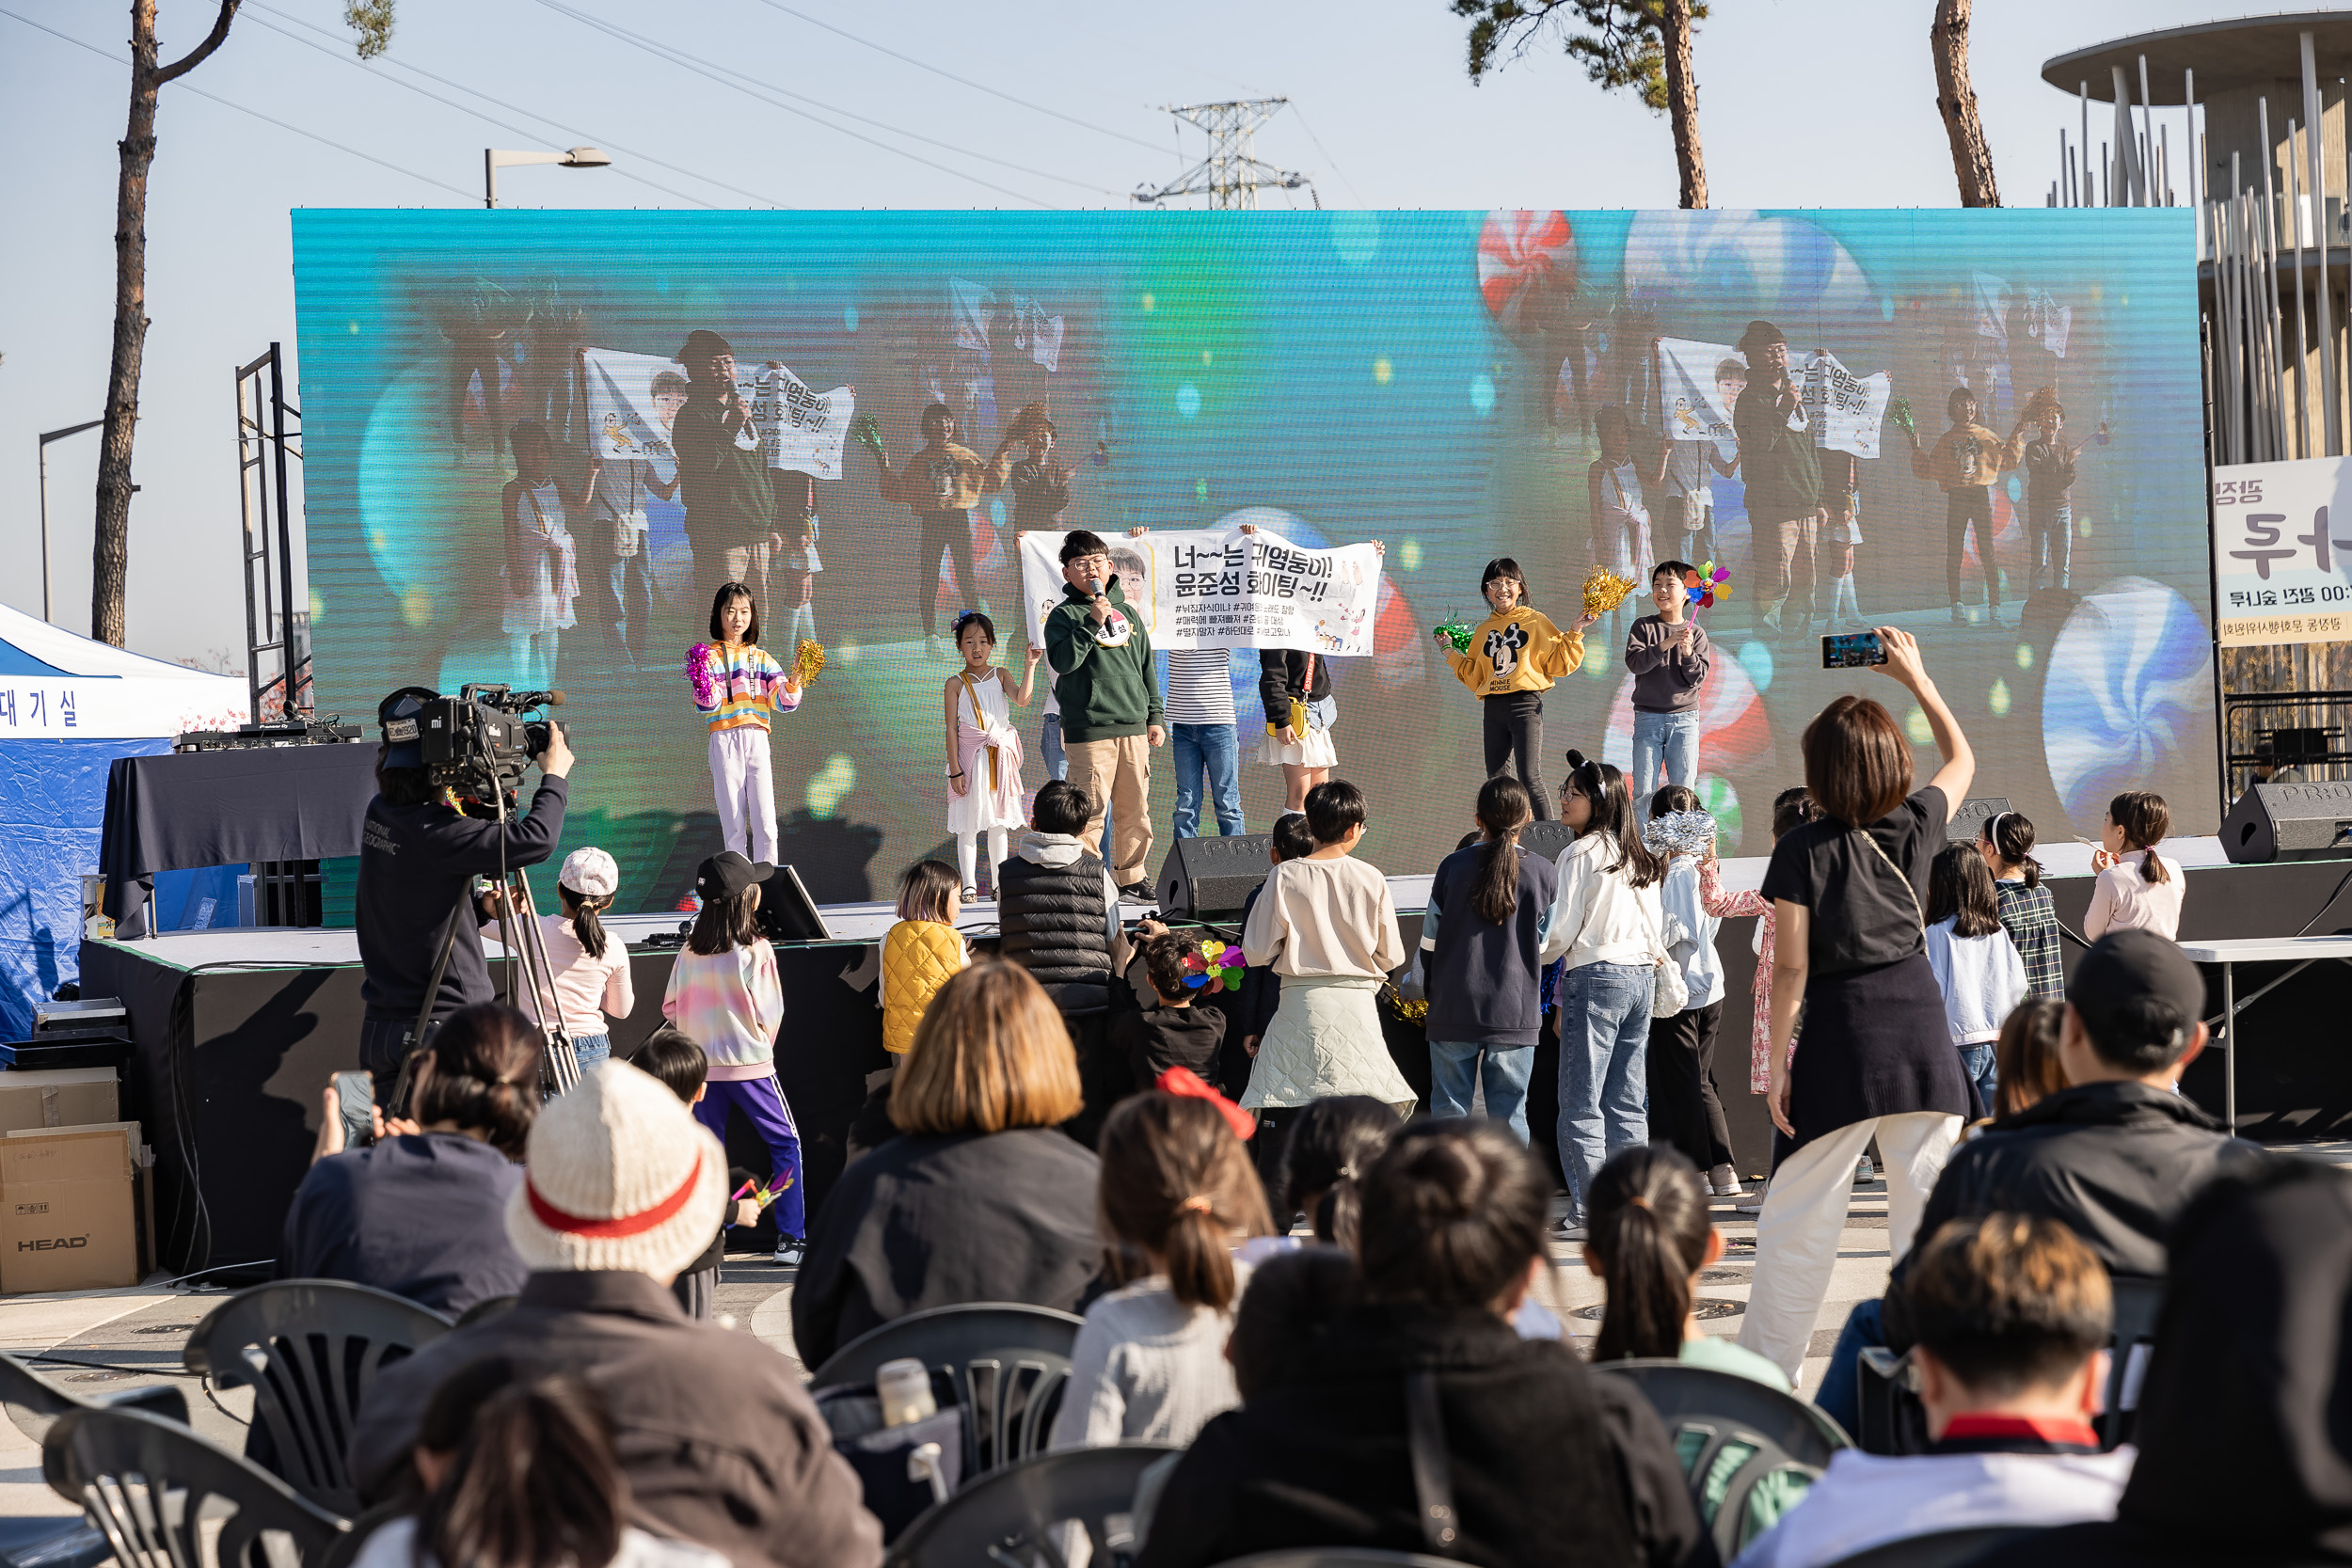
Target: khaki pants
1785 559
1120 772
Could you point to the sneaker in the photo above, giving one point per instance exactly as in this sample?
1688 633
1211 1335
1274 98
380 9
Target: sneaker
1960 616
1139 893
1864 1172
1567 1228
1725 1181
1752 1204
791 1251
970 895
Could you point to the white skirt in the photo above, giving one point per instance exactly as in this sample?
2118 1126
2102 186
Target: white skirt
1325 1040
1311 749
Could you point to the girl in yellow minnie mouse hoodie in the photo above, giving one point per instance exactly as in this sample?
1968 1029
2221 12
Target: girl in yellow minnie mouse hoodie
1513 656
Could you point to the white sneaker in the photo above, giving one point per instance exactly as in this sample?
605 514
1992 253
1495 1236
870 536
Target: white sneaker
1752 1205
1960 616
1864 1172
1567 1228
1724 1181
791 1251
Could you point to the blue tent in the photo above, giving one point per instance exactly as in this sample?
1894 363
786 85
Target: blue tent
68 706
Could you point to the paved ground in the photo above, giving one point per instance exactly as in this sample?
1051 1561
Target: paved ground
97 1340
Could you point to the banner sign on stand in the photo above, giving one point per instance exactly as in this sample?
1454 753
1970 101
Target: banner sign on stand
1698 383
2282 534
1221 588
633 398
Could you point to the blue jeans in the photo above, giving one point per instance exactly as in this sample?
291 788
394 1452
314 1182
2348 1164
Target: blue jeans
1840 1397
1216 751
1673 737
592 1051
1604 1069
1977 1066
1049 747
1454 1069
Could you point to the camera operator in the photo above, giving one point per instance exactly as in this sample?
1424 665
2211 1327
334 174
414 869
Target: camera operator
417 858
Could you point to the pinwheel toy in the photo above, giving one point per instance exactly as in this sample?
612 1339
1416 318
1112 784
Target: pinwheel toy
1707 585
1215 966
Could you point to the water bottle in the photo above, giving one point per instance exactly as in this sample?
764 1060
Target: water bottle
904 1387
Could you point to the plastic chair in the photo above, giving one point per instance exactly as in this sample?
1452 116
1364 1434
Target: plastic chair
1031 1512
488 1307
155 1490
33 1402
310 1348
1336 1557
1944 1549
1743 1446
1002 1364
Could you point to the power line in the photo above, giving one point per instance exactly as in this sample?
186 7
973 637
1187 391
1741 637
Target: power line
231 104
726 77
1330 162
512 109
937 70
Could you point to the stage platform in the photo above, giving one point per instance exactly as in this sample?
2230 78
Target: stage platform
238 1031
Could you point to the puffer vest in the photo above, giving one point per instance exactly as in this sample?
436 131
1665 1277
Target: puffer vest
918 956
1051 918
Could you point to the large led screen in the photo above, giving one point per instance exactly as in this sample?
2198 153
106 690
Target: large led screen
1438 381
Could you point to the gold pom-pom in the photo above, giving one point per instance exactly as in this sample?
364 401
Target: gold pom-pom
807 662
1604 591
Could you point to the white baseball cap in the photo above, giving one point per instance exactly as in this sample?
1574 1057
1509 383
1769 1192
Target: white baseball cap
591 871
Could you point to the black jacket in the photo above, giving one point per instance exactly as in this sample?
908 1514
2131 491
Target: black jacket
1283 676
724 486
1054 925
422 1216
416 863
2116 1162
1548 1463
1157 1038
943 1222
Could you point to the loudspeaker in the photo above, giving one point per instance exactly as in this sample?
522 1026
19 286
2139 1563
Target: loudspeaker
2290 822
1967 823
1212 875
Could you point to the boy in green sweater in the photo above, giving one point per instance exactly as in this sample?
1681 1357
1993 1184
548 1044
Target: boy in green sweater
1110 705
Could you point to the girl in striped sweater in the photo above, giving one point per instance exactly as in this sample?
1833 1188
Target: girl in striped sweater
736 687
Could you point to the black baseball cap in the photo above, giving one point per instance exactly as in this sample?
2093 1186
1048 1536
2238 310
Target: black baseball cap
403 737
726 874
702 344
2121 968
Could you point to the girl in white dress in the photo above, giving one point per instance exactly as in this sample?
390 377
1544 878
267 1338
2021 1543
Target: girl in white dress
984 793
541 570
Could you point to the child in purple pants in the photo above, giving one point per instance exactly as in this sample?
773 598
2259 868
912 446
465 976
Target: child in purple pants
725 992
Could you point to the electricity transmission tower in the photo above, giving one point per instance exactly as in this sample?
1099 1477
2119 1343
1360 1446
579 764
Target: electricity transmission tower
1230 176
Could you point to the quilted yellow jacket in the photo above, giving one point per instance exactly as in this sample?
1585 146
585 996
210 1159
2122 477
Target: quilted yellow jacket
919 958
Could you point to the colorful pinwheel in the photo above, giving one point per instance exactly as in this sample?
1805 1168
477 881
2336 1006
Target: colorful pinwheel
1214 965
1708 584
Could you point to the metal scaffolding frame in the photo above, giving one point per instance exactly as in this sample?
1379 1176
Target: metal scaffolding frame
1231 175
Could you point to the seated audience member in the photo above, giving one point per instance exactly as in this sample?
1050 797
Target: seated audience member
979 1197
671 1054
2025 1057
1175 1032
1545 1462
2243 1461
1332 1145
2011 1311
1648 1237
718 1441
1176 1193
2115 1157
518 1471
421 1212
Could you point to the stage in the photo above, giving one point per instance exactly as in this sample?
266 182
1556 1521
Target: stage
237 1032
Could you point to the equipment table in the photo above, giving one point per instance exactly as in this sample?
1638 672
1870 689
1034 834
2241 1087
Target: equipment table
2302 951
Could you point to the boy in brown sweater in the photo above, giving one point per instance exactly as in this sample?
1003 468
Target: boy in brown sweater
1966 461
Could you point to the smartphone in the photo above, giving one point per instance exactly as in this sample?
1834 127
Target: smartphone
1851 650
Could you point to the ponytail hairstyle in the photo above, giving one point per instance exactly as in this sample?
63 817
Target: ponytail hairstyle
533 1482
2025 1057
726 923
1791 809
1960 890
1176 1187
1331 1147
1673 797
1503 809
484 1075
1614 818
1647 1231
2009 838
924 889
2145 819
584 909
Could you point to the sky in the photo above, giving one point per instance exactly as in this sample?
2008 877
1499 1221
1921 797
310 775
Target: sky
1062 104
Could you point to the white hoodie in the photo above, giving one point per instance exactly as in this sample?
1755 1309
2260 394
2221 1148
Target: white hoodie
1597 915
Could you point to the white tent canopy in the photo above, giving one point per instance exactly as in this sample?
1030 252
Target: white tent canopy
56 685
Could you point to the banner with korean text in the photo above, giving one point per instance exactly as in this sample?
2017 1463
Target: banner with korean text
1224 588
2281 572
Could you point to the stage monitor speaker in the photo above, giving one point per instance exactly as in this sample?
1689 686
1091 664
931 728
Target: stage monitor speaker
2290 822
1212 875
1967 823
786 912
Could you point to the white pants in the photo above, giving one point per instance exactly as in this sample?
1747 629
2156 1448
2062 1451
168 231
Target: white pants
1804 1212
968 854
746 791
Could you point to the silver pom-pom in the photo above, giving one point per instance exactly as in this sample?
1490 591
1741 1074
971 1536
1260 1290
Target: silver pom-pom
1680 832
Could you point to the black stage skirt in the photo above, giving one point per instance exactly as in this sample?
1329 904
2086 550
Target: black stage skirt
1875 1043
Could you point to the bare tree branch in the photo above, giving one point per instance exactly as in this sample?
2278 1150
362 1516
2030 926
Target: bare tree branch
213 39
1956 100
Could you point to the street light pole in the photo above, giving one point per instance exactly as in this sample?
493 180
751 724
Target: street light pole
494 159
46 438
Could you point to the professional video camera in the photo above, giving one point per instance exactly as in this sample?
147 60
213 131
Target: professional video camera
476 743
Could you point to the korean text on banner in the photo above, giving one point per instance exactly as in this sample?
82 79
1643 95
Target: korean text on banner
1221 588
800 429
633 398
2281 571
1844 410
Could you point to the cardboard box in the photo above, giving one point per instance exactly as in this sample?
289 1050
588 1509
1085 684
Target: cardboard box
142 1183
65 1210
57 1097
